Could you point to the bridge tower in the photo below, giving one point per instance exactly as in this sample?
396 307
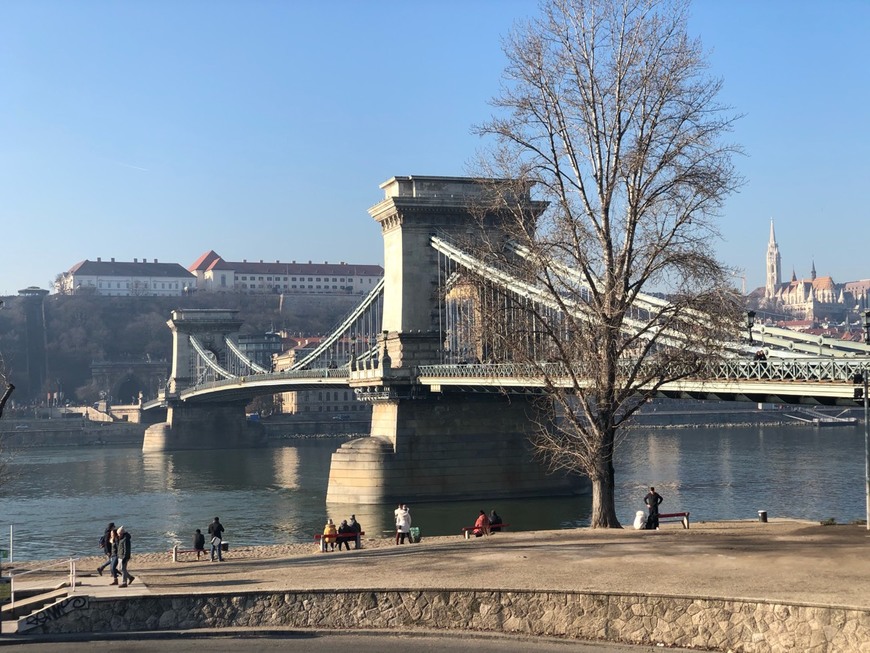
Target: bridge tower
427 446
200 426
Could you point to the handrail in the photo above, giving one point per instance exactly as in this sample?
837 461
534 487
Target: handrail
72 577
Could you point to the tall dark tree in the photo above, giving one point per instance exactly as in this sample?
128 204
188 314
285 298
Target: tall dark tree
608 114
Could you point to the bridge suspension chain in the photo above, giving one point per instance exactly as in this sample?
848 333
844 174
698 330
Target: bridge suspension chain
354 337
208 368
245 365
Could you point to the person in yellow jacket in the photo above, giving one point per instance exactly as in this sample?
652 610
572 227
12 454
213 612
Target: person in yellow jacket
330 535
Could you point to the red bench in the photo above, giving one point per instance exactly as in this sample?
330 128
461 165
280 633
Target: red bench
468 530
318 537
682 516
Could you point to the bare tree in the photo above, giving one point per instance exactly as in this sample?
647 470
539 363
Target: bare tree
608 114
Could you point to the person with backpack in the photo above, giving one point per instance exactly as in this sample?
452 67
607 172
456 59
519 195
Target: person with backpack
124 555
106 546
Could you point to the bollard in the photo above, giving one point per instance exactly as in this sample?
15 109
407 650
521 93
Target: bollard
762 516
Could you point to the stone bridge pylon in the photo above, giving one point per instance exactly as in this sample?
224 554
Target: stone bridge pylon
423 445
219 424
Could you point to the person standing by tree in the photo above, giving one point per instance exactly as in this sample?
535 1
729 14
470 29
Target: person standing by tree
216 531
652 501
608 114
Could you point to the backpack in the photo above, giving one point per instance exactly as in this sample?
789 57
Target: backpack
102 541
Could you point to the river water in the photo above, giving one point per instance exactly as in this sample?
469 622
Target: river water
59 500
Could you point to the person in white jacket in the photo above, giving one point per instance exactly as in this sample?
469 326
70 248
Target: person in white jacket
403 523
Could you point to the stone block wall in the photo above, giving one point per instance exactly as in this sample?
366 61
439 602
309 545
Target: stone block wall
706 623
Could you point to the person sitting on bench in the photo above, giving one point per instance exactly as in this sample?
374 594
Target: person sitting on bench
481 526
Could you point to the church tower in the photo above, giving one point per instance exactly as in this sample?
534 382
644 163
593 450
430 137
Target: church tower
774 269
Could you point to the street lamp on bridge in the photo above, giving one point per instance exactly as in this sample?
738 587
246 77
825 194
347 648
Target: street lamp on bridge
750 322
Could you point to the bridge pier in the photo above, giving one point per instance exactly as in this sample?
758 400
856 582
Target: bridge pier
203 426
443 448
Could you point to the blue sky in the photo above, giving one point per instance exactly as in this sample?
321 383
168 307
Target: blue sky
262 129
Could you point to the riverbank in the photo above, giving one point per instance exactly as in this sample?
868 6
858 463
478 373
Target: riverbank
745 585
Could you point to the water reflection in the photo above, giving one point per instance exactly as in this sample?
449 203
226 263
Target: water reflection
277 495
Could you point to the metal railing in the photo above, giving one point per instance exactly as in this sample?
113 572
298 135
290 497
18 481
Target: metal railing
71 578
794 370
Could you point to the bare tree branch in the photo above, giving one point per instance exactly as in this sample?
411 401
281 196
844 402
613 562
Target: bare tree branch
608 113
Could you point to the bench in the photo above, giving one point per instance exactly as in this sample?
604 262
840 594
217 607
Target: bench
681 516
469 530
225 546
318 537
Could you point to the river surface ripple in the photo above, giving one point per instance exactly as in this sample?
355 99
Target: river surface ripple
59 500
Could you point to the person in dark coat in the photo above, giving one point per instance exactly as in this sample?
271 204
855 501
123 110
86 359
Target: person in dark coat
107 547
494 521
198 543
345 532
124 555
356 528
652 500
216 530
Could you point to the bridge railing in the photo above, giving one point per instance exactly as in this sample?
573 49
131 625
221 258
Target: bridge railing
334 373
808 369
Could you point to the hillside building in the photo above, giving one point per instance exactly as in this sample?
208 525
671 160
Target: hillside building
214 274
125 279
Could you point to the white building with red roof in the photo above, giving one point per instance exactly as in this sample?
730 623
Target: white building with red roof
214 274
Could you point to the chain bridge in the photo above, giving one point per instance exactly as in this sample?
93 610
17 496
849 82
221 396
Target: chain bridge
444 424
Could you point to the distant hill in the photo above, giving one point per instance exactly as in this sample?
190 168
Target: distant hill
81 329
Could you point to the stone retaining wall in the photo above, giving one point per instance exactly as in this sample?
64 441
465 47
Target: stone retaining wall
706 623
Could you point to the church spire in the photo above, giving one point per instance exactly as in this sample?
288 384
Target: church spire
813 271
774 265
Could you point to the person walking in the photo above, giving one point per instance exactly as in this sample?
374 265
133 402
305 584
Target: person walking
356 528
124 555
216 531
198 543
652 501
403 523
113 556
106 543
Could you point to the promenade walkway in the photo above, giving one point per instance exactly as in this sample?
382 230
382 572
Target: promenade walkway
782 560
656 583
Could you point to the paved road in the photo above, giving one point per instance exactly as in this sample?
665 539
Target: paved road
321 642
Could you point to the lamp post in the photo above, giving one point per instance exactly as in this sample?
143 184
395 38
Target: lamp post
750 322
866 426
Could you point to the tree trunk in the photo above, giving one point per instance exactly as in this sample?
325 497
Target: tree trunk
603 485
603 502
